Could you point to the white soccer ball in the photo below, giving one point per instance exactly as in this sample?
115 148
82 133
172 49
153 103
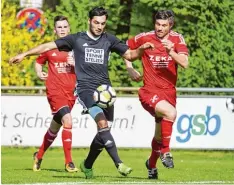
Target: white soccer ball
230 104
104 96
16 140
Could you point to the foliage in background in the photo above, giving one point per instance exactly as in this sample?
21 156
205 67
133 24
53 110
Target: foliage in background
208 28
77 12
14 41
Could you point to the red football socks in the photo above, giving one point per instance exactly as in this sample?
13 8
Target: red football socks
166 131
67 143
155 153
49 138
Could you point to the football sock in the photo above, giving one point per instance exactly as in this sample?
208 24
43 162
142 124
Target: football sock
67 143
95 149
166 131
109 145
155 153
49 138
102 139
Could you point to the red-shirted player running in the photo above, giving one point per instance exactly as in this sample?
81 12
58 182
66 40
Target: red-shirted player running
158 95
60 84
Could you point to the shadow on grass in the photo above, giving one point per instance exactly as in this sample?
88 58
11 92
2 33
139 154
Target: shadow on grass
103 176
80 175
47 169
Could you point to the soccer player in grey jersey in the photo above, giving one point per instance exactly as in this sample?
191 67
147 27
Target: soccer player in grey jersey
91 51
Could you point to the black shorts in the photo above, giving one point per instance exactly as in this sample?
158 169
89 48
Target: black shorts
85 98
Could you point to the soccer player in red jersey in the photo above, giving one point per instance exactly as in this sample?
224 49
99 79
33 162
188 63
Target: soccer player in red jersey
158 95
60 85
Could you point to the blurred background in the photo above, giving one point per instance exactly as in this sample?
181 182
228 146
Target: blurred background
207 26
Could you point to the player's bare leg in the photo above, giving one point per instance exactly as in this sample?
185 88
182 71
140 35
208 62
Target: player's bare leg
168 114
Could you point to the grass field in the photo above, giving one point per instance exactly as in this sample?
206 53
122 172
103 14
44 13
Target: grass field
191 167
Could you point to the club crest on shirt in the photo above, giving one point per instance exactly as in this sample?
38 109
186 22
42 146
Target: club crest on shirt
54 54
93 55
154 98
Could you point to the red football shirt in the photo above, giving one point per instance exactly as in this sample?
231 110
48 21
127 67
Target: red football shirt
61 76
160 70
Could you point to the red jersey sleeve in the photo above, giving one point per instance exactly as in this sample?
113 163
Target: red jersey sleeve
136 41
180 46
42 59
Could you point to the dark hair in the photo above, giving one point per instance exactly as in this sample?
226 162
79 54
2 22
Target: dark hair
60 18
98 11
165 15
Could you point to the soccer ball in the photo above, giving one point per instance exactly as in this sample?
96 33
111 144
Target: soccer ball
16 140
230 104
104 96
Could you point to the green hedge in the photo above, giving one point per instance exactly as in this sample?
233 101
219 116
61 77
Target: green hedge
208 28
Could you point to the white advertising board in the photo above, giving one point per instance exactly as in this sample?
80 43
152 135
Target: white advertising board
202 123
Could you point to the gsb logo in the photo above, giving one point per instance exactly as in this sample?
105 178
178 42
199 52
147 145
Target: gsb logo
200 124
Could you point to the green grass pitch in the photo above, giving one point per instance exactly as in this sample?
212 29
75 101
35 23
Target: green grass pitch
191 167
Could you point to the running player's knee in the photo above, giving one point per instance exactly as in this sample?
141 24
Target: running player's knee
60 114
98 115
165 110
102 123
171 114
67 121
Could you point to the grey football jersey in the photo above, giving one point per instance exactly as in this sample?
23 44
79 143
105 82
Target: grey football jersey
91 57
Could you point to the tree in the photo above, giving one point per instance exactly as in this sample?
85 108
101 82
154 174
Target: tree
15 41
208 28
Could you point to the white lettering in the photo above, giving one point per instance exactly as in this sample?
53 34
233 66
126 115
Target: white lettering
151 57
93 55
160 61
63 67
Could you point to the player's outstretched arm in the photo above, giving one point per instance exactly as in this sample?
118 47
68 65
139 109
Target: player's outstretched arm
39 71
133 73
35 51
71 60
132 55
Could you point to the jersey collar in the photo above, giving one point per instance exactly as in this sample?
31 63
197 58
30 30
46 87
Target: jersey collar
91 36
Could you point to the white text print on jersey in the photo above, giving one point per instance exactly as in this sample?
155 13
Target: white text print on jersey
93 55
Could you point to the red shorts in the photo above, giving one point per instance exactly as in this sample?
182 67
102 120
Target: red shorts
58 102
150 98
